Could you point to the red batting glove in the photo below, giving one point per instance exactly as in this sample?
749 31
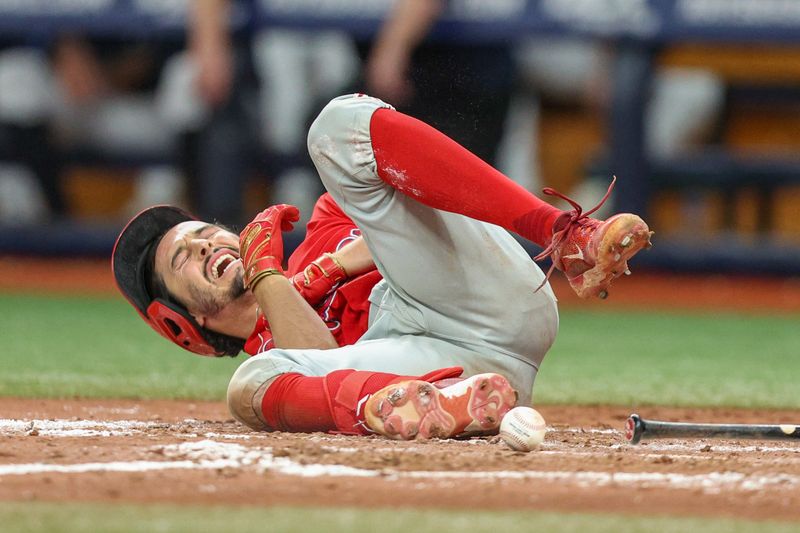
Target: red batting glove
319 278
261 242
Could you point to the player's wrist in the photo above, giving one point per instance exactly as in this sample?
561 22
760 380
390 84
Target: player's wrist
264 278
330 267
319 278
260 268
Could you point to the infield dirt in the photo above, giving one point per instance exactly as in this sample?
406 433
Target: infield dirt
182 452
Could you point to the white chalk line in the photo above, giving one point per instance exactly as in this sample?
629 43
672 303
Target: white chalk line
118 466
208 454
106 428
75 428
123 428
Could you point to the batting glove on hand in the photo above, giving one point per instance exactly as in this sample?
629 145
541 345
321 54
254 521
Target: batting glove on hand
319 278
261 242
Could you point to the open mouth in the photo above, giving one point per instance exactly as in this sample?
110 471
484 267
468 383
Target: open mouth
219 263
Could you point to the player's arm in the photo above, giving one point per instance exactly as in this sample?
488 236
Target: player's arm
355 257
293 322
210 45
405 28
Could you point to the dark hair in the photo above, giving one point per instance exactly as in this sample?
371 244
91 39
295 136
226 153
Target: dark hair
228 345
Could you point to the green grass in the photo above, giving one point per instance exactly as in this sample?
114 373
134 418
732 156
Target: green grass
97 347
691 359
68 518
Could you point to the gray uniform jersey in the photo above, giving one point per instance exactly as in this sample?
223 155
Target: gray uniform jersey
456 291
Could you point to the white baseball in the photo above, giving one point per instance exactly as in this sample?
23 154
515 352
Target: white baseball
523 429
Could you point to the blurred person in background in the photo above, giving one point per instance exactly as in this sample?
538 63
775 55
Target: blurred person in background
77 93
299 71
186 113
463 89
30 186
208 97
232 97
683 108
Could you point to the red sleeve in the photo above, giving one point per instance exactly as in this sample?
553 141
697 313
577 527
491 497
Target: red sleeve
327 231
347 310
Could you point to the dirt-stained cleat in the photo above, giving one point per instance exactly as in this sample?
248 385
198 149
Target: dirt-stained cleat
592 253
416 409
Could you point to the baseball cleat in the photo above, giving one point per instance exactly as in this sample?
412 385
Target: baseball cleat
592 253
417 409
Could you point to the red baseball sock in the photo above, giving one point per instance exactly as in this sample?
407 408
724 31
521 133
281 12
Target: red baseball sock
294 402
421 162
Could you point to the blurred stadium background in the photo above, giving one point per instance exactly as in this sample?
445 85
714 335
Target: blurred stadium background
693 104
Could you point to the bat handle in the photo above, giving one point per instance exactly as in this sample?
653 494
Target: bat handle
634 427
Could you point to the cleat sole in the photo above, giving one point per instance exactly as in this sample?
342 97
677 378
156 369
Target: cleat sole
473 406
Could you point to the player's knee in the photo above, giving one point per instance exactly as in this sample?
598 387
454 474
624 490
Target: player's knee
340 124
246 391
323 129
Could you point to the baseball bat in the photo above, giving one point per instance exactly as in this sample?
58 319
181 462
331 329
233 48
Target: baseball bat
637 428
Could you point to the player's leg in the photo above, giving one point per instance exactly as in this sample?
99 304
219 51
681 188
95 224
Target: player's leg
317 390
451 277
424 164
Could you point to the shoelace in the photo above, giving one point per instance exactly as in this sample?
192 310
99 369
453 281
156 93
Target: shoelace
563 235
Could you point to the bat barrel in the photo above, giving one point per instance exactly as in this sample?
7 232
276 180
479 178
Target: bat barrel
637 428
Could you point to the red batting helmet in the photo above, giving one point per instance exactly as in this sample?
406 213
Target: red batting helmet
132 262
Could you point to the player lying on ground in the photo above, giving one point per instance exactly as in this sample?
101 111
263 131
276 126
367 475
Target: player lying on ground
454 294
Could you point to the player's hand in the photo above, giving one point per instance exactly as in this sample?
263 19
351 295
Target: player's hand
319 278
261 242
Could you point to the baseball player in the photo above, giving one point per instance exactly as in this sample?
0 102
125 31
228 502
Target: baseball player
454 294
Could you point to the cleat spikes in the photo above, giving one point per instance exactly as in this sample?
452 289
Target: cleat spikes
603 294
626 241
396 396
628 272
649 242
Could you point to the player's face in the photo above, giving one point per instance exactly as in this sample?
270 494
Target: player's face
200 265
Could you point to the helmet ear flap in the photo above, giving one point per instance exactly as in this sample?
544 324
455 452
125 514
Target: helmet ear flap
173 322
